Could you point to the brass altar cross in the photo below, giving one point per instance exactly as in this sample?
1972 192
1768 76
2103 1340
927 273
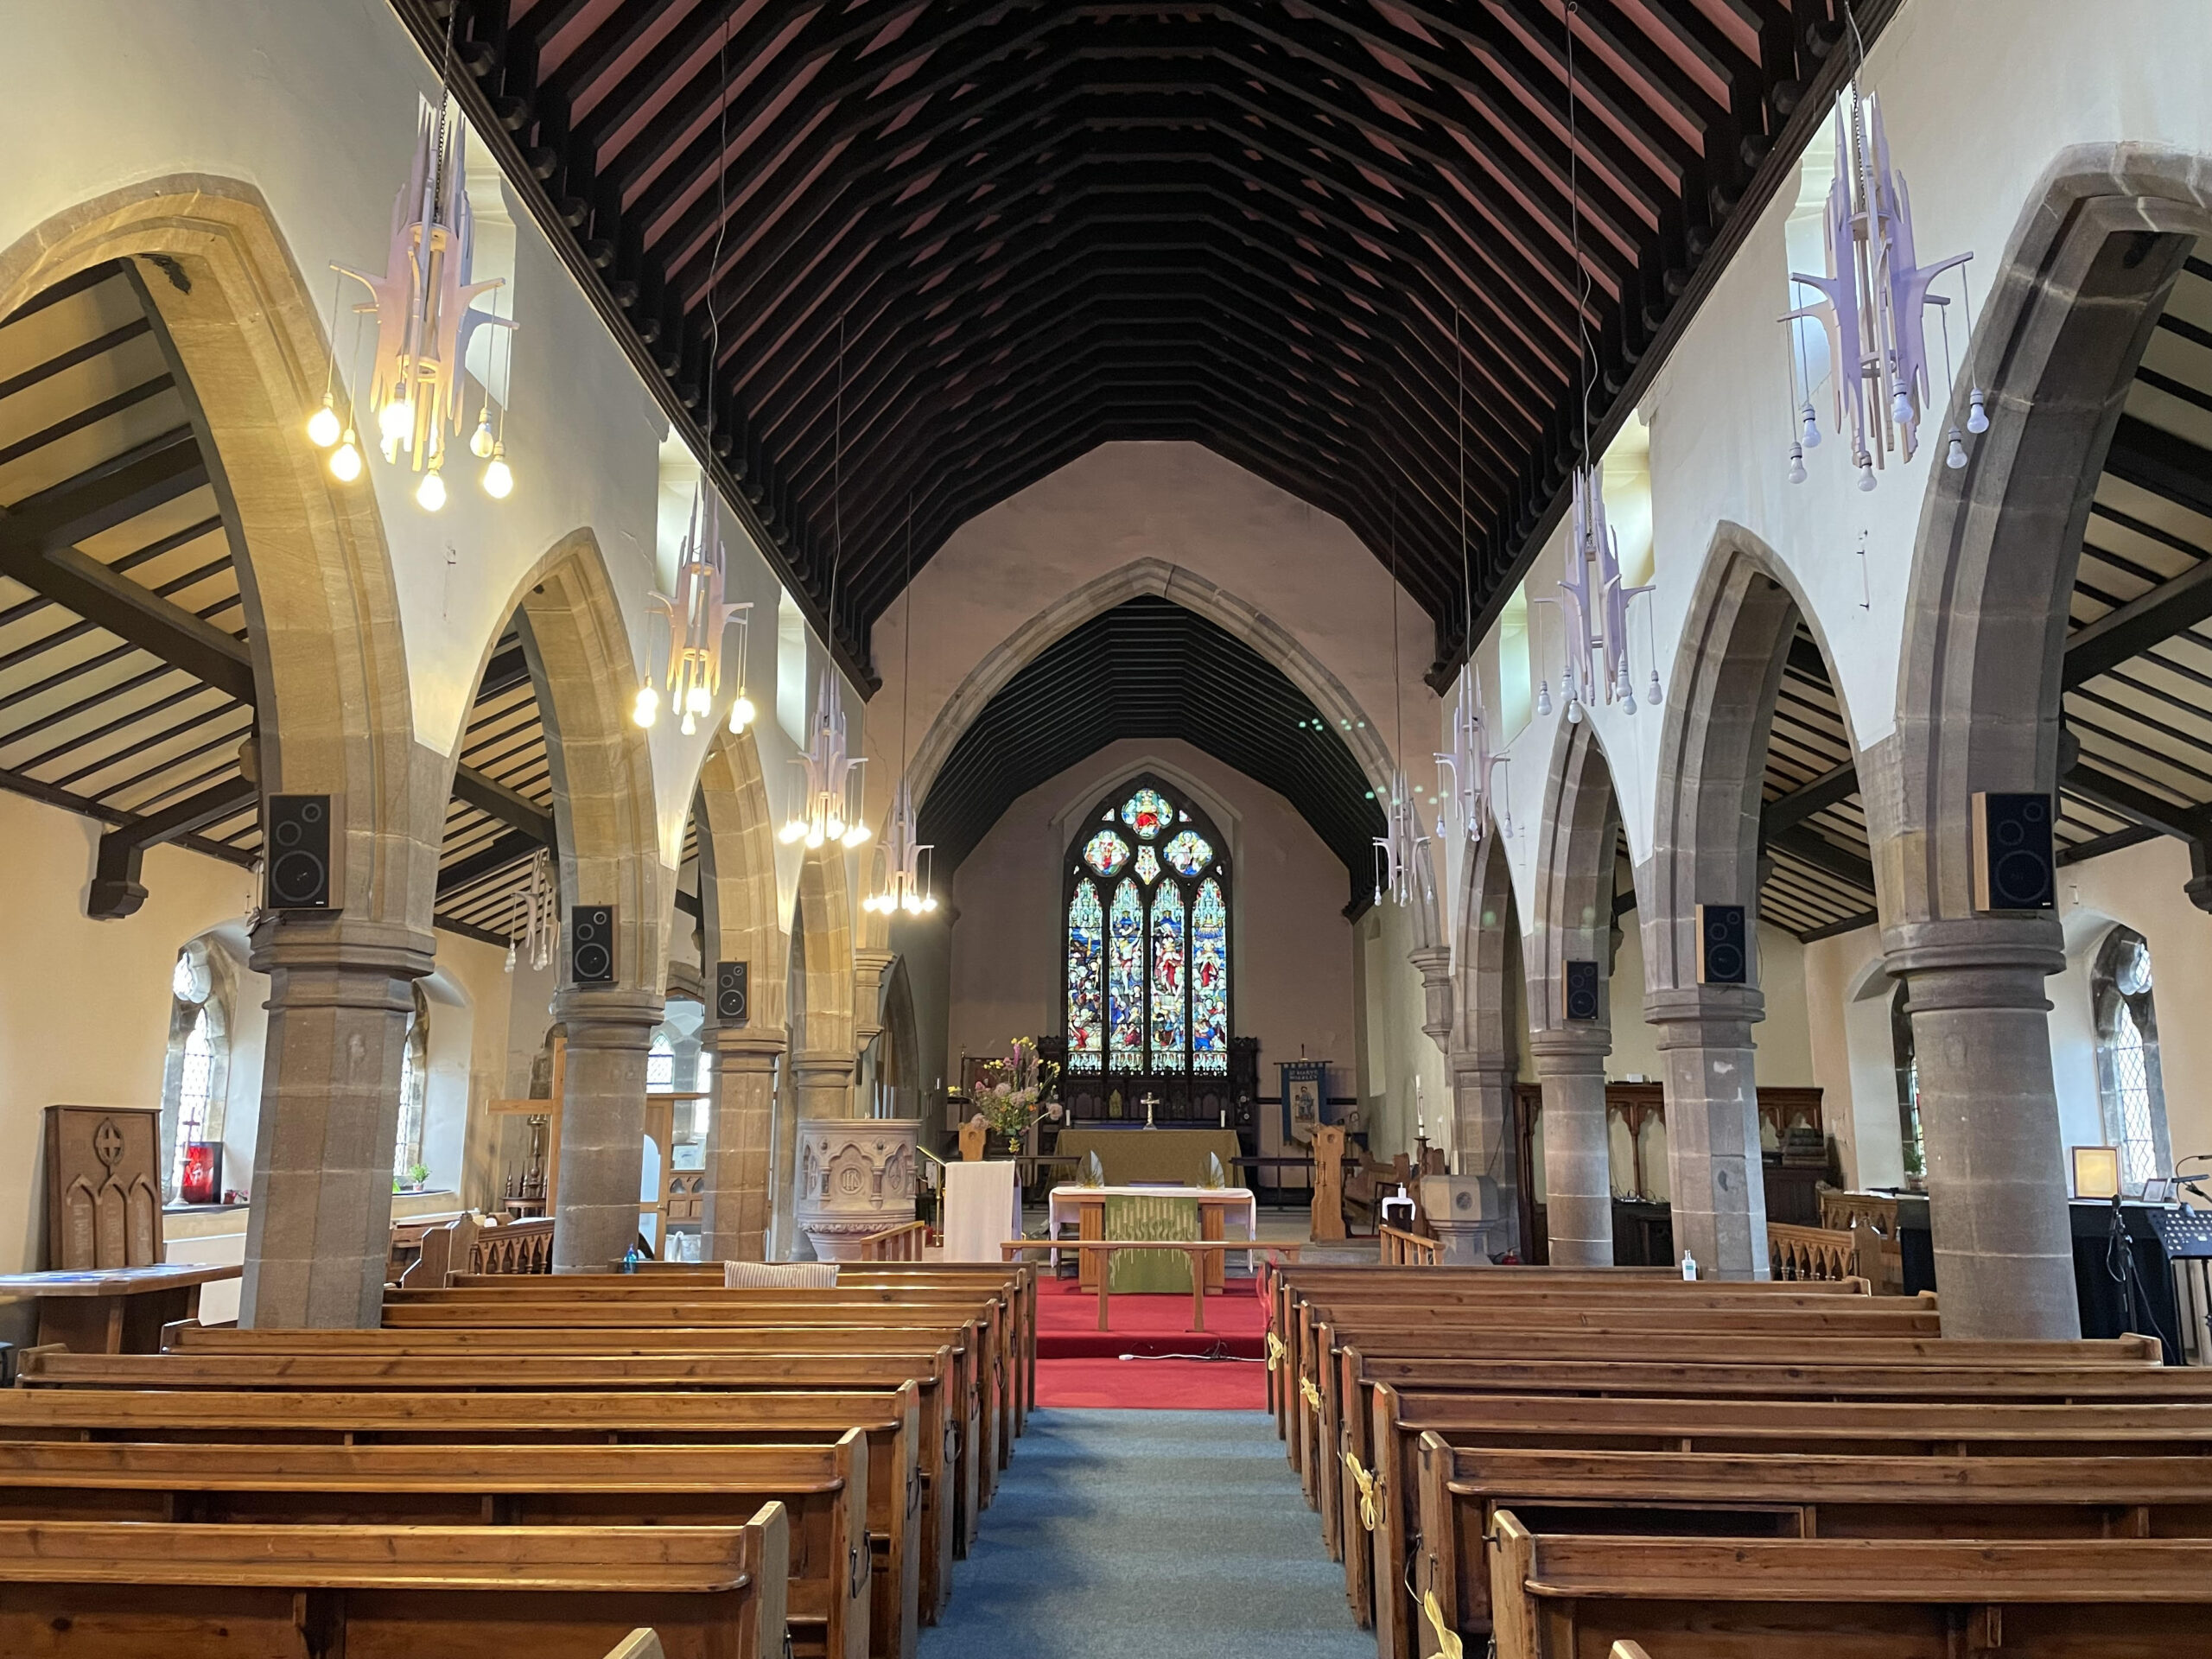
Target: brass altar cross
1148 1102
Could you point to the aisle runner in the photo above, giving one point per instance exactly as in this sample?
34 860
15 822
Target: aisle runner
1157 1535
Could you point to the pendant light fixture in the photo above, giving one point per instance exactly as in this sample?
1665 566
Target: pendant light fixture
1595 608
902 888
1395 857
698 614
1873 307
1465 772
424 305
532 923
830 808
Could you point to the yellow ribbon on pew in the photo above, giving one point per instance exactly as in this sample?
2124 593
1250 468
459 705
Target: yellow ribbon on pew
1370 1516
1449 1644
1275 1351
1312 1394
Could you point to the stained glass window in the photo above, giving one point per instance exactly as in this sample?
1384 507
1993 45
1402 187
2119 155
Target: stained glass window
2128 1056
1209 979
1125 980
1086 943
1188 853
1148 812
1147 939
1106 853
1169 1032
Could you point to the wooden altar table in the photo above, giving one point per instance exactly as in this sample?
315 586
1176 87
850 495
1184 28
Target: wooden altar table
1209 1251
114 1310
1086 1207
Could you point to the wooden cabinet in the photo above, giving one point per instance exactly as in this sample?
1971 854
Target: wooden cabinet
103 1186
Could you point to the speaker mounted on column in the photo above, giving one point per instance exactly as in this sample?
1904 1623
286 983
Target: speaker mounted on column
302 853
730 987
591 944
1724 956
2014 864
1582 992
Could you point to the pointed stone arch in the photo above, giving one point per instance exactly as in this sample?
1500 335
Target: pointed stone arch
1485 1048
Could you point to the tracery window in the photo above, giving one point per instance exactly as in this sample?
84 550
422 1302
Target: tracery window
199 1054
414 1091
1908 1071
2128 1081
1146 938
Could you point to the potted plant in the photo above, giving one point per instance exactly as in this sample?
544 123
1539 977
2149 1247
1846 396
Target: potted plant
418 1177
1020 1098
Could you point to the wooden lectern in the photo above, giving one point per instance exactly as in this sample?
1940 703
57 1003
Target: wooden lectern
1328 1182
973 1137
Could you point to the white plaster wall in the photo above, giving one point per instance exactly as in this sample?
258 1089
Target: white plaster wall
315 106
1290 959
1404 1083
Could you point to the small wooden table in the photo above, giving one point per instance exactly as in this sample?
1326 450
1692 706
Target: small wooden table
1195 1248
1088 1205
114 1310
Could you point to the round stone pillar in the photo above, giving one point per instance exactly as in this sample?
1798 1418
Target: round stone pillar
1712 1126
318 1228
1997 1182
735 1226
1482 1136
603 1123
1578 1165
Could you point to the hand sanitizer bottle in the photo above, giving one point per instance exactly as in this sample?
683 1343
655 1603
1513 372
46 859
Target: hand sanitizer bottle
1689 1266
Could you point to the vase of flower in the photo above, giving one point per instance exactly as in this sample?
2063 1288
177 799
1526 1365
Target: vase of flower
1020 1098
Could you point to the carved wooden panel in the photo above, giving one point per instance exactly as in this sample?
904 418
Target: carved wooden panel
103 1186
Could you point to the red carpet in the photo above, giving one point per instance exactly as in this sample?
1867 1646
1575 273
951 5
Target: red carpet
1079 1364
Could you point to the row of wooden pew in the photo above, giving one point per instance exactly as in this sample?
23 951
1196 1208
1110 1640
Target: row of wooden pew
536 1464
1574 1464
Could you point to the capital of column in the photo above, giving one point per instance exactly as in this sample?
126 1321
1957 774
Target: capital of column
608 1016
1471 1070
1571 1051
1705 1016
336 941
742 1046
2003 947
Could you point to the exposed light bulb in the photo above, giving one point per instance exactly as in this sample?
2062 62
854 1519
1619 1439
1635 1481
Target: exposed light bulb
1901 406
930 902
1543 702
1574 712
346 460
835 828
857 833
431 494
1865 471
480 442
1796 463
396 420
814 838
698 700
913 904
322 425
1651 695
689 724
790 832
498 479
1810 434
1977 416
740 714
1955 457
646 710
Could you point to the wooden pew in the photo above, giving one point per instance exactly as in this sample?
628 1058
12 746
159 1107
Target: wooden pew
1919 1428
96 1590
822 1488
948 1423
915 1564
1776 1496
1569 1596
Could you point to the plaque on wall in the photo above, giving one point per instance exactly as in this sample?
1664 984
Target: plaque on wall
103 1186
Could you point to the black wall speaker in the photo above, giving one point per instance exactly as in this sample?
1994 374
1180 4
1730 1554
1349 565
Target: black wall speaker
2013 868
729 991
1582 990
300 852
1724 956
591 944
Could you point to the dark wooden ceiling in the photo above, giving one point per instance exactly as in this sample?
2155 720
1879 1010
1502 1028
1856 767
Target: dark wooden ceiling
1255 224
1149 668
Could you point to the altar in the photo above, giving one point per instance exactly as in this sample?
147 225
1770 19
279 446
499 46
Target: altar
1086 1207
1134 1154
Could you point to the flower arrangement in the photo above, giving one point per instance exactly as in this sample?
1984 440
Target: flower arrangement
1022 1095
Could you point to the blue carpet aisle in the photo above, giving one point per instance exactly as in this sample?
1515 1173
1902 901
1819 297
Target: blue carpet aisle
1148 1534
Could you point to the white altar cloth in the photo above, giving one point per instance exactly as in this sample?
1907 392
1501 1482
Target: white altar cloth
982 1210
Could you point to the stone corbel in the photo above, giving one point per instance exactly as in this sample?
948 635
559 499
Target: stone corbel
1434 962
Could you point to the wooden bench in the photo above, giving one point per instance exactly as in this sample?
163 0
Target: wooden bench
1403 1468
1785 1495
1195 1248
918 1566
1570 1597
97 1590
822 1488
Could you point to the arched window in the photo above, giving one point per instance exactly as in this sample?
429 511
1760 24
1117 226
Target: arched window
2128 1056
193 1079
660 1063
414 1091
1146 938
1908 1063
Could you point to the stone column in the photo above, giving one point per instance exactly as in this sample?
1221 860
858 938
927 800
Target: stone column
1578 1167
735 1228
1997 1182
1712 1126
318 1231
602 1122
824 1084
1482 1135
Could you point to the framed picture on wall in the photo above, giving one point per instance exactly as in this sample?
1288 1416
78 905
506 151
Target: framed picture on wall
1304 1098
